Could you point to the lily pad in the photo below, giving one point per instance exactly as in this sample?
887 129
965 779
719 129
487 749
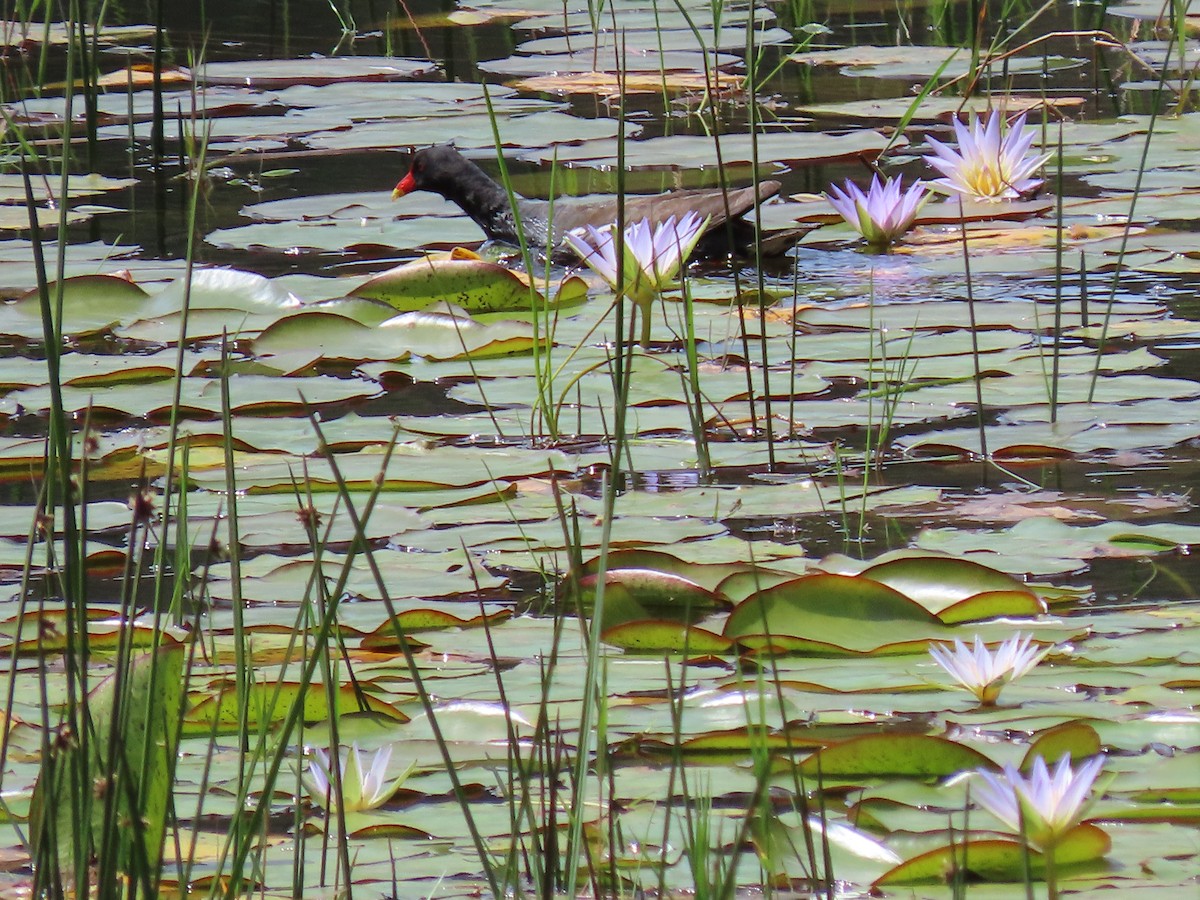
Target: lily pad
999 861
296 342
904 755
268 74
849 612
475 285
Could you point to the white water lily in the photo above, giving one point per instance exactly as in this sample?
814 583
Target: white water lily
653 256
1043 806
983 672
884 213
363 787
986 166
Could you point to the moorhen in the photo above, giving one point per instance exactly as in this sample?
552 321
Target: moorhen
443 170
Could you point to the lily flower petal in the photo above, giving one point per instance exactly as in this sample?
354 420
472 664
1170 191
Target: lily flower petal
652 257
364 787
987 166
983 672
881 215
1046 805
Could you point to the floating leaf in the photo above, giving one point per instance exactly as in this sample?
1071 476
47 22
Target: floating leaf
1079 740
656 636
268 704
464 279
939 582
997 860
901 755
297 342
637 594
383 638
856 614
609 84
994 605
266 74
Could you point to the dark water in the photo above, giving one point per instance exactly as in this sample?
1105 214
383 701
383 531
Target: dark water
229 30
224 30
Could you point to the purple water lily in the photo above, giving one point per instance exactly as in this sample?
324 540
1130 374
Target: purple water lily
1044 805
653 256
881 215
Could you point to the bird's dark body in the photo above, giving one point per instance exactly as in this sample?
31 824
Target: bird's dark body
443 170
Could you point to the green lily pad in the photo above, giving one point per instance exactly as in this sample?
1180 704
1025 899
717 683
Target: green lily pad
474 284
853 613
585 60
642 594
693 151
999 861
941 582
1078 740
216 710
657 636
902 755
1016 604
296 342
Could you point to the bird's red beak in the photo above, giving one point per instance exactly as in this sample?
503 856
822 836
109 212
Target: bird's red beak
407 185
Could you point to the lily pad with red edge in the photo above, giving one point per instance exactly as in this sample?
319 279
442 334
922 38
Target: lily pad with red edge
384 637
656 40
994 605
901 755
740 585
930 109
1077 739
999 860
370 825
747 738
781 645
658 636
585 59
474 284
695 151
89 301
106 635
215 710
937 582
610 84
855 614
639 594
707 575
297 341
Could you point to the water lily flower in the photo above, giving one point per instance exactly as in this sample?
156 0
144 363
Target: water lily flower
986 166
653 256
1043 806
363 787
883 213
983 672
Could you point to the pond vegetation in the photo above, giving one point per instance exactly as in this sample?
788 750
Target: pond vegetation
347 556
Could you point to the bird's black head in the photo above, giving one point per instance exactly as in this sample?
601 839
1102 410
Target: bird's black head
440 169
